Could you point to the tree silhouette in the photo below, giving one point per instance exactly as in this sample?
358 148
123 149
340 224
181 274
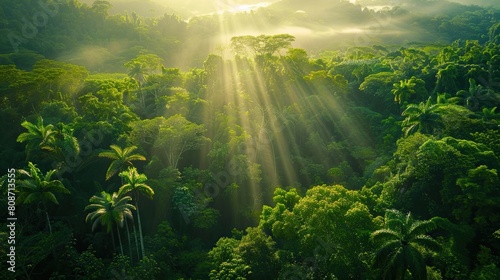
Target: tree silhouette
401 246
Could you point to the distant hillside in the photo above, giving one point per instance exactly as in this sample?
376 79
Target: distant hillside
102 40
484 3
185 9
145 8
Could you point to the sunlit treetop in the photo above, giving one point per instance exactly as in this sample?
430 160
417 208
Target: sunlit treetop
262 44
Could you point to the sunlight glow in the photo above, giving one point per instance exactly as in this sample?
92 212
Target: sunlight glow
227 7
378 8
242 86
352 30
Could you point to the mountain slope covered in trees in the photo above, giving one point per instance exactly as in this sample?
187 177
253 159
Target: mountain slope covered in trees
369 155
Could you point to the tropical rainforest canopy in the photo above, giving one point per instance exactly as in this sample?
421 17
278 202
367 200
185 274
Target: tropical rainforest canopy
250 140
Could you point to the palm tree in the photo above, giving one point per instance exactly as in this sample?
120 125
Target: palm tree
403 90
401 246
422 118
442 98
108 210
489 114
473 98
121 158
39 188
65 144
38 136
135 184
138 71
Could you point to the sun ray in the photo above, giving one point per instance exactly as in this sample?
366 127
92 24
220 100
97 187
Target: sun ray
244 87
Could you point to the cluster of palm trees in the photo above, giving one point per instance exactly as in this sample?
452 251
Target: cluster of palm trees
109 210
56 140
114 210
425 117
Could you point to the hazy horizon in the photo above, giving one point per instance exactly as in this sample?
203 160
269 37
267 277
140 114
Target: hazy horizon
320 26
189 8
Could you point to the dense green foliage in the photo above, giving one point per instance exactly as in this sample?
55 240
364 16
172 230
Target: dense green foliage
263 161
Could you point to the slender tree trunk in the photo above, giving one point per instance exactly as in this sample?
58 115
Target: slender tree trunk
113 240
274 161
139 222
490 76
119 239
129 243
136 242
28 275
143 100
51 244
140 226
48 222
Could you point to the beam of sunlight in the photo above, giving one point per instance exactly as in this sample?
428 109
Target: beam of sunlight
263 121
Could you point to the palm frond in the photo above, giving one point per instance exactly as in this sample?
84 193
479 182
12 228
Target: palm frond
113 168
125 189
108 154
29 198
415 261
128 150
395 268
57 187
384 253
385 234
422 227
136 157
117 149
427 242
23 172
146 190
48 196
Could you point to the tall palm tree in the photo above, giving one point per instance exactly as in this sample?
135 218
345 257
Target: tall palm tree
109 210
422 118
122 158
134 182
401 246
138 71
38 136
39 188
